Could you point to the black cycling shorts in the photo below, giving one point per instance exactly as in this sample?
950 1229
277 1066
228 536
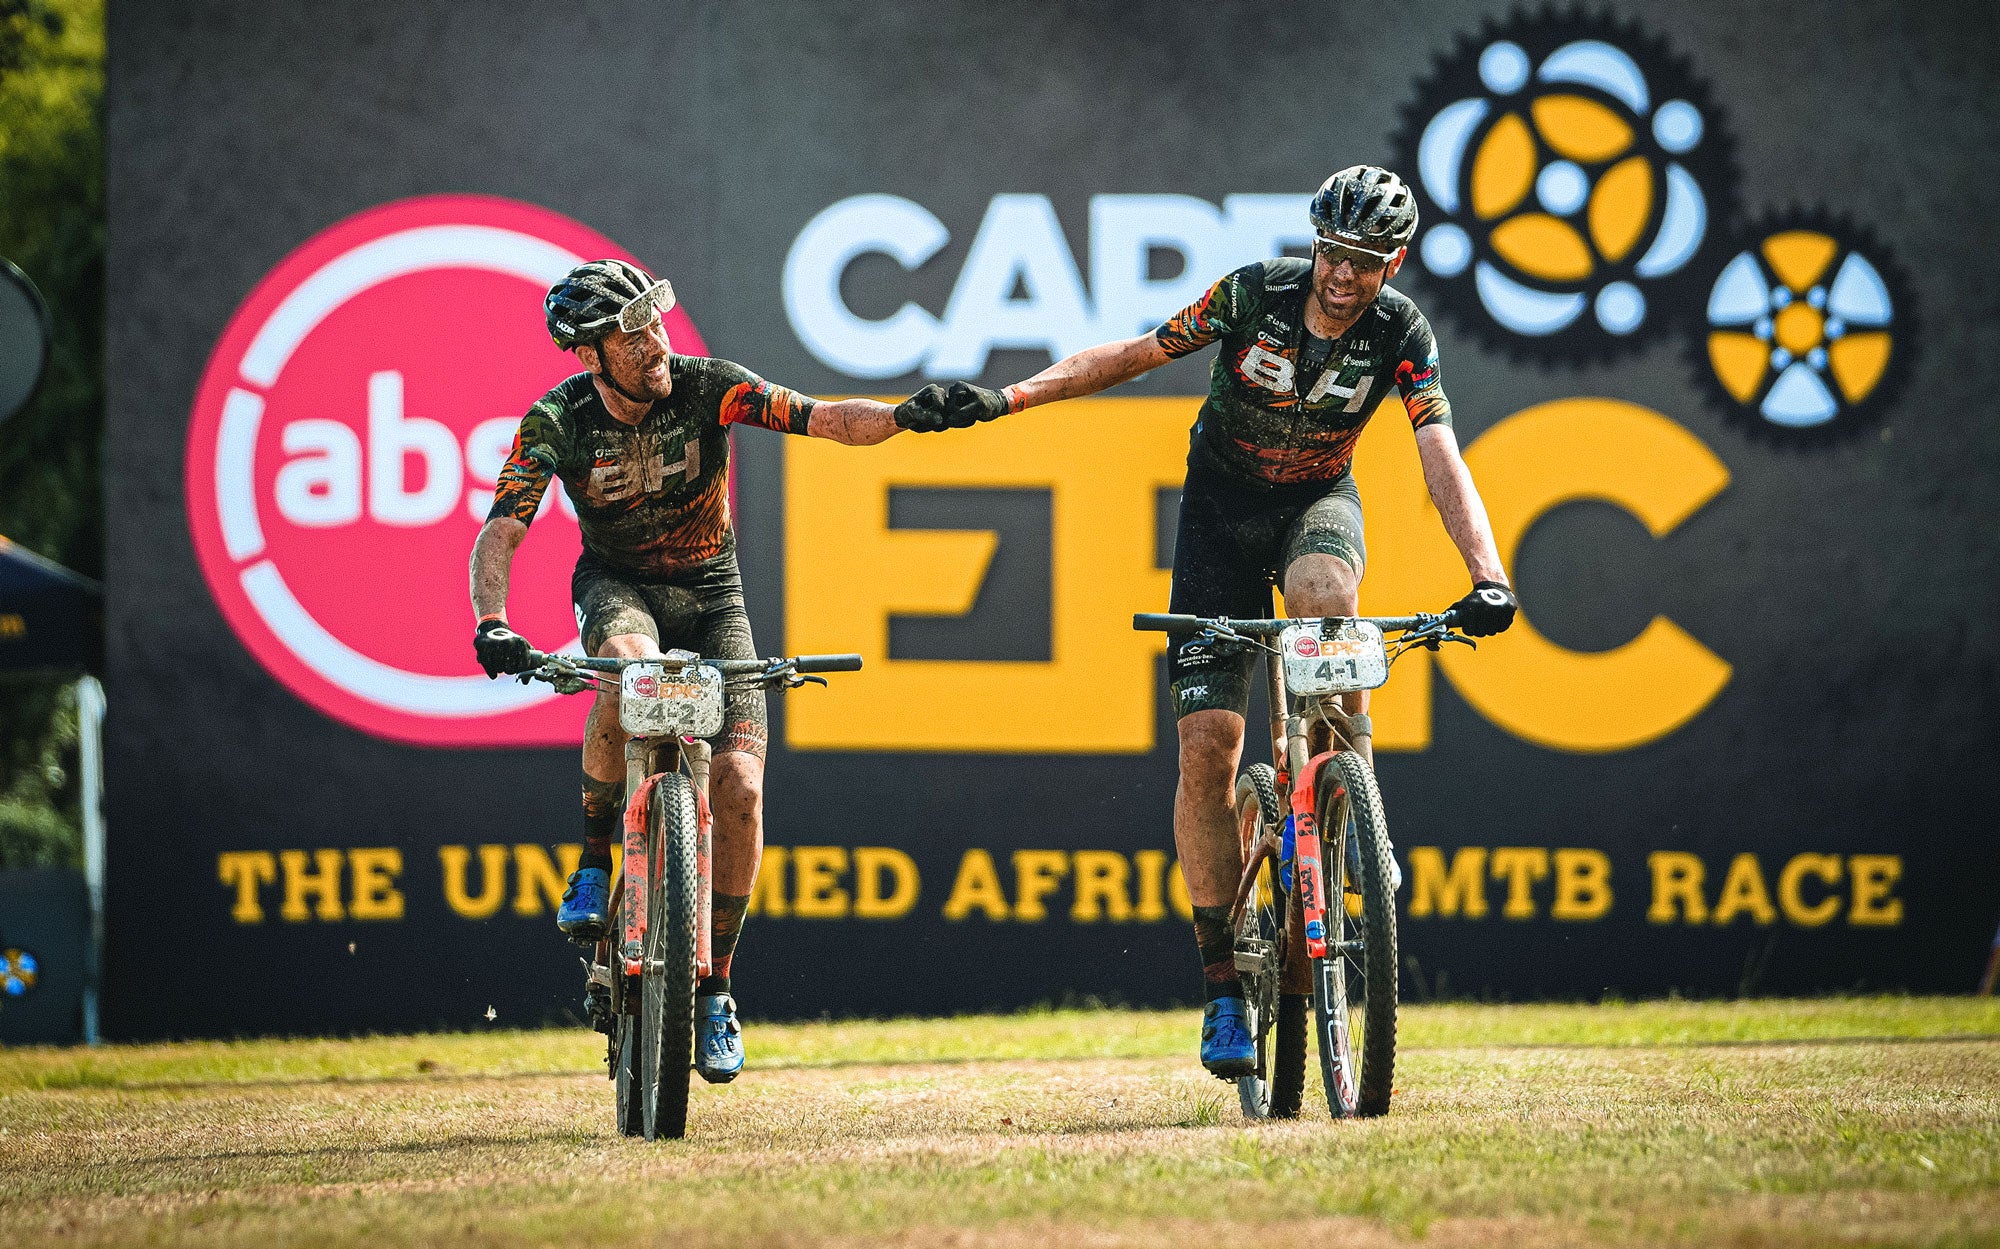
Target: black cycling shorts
700 609
1233 544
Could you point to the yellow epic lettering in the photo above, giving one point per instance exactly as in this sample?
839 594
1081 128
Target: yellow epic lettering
847 573
1526 466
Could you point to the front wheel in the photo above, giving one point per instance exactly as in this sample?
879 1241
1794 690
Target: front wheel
1354 984
666 996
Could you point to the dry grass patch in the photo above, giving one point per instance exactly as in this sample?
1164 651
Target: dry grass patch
1684 1123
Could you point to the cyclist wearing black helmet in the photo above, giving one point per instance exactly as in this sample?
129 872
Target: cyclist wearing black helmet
1309 349
640 440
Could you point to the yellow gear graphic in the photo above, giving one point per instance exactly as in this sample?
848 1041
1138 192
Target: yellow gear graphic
1804 325
1570 171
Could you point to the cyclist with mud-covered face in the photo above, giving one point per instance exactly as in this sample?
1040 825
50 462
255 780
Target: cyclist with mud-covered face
1309 349
640 441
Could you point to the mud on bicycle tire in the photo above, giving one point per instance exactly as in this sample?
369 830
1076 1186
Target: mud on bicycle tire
666 1015
1376 926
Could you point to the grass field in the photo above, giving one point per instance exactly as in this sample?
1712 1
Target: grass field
1850 1121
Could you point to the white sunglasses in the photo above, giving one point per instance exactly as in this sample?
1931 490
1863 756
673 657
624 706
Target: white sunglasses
639 313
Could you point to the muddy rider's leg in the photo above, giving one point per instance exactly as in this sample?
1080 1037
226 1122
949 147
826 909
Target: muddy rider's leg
604 740
736 796
1328 585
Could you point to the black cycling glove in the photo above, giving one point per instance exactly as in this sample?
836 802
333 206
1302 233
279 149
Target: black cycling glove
500 649
966 405
1488 610
923 412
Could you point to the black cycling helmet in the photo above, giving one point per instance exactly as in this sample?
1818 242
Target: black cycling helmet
596 298
1365 206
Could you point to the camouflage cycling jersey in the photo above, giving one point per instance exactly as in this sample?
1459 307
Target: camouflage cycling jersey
1254 426
650 498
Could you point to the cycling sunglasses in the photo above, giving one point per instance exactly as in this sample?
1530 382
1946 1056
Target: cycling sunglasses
1363 260
639 313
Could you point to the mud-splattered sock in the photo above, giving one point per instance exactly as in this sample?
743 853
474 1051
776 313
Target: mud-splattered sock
725 928
1219 977
603 804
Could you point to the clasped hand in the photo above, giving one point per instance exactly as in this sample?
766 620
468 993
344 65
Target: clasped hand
961 405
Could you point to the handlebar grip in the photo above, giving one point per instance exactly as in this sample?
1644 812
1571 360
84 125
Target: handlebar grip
827 663
1164 622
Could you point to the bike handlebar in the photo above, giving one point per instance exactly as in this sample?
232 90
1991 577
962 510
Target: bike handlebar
728 667
1166 622
827 663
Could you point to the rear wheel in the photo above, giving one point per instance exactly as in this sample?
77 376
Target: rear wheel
1354 985
1272 1091
666 1009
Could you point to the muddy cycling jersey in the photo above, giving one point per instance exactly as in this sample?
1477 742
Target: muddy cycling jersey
1274 417
650 498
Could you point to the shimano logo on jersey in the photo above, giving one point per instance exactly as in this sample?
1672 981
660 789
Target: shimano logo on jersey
1019 245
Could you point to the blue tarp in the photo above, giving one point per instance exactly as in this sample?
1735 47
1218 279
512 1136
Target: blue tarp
51 619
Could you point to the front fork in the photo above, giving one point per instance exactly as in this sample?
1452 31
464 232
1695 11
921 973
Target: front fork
1301 775
643 758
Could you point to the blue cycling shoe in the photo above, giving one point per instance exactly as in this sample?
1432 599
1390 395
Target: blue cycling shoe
585 904
1227 1048
718 1039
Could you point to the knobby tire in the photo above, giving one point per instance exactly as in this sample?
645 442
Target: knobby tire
1350 988
667 985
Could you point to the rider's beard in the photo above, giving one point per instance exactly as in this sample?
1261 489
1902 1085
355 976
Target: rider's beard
638 381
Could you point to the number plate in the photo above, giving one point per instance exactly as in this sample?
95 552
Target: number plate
1333 657
656 702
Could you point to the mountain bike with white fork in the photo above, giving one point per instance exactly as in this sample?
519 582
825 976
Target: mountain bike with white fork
1315 909
641 979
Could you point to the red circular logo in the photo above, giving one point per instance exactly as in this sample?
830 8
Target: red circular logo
342 454
1306 645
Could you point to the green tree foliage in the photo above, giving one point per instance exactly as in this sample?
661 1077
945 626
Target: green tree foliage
52 226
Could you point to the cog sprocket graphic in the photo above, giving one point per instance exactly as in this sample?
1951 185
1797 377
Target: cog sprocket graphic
1809 329
1573 176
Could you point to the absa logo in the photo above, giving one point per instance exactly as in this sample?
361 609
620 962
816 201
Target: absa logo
342 453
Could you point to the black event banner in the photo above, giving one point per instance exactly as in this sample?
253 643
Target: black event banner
1722 396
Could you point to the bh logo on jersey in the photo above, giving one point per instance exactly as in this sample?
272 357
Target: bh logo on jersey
1569 173
342 454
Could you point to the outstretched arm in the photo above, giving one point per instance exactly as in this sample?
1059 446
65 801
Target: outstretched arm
1458 503
1088 371
856 422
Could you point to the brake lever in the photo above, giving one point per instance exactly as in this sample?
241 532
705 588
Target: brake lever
795 680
